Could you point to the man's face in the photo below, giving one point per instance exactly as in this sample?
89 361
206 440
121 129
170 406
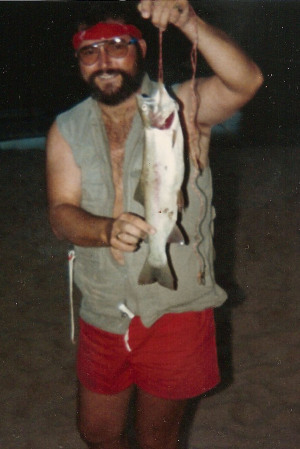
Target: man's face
113 80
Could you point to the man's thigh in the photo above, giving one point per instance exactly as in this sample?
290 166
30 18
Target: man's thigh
103 364
176 358
102 416
158 421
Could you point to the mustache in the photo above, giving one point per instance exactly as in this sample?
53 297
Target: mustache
108 72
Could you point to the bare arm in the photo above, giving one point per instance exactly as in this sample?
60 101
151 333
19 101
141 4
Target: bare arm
68 220
236 77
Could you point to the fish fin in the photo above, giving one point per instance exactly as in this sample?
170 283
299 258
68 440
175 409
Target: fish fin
176 236
162 275
139 195
180 201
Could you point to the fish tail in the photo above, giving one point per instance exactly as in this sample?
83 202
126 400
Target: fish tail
162 275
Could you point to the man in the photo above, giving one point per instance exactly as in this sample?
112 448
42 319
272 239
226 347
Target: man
158 342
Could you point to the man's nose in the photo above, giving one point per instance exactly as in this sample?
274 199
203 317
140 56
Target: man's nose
103 57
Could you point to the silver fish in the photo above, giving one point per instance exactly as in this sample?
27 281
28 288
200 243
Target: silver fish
162 175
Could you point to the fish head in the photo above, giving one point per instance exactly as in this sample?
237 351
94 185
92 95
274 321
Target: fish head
157 110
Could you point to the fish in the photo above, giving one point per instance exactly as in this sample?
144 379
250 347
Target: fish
159 188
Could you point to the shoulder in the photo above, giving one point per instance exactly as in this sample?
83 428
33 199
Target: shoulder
66 126
74 121
77 110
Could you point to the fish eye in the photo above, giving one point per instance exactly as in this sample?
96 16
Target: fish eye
144 107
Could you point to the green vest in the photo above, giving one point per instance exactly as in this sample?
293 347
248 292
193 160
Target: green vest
104 283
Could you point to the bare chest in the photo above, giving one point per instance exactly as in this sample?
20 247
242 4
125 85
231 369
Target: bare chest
117 132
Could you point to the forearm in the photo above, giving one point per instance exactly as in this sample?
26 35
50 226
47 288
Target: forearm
233 69
80 227
226 59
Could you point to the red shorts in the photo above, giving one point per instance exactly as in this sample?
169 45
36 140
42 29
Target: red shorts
175 358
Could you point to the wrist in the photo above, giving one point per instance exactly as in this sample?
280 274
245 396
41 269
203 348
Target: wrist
108 230
103 231
189 23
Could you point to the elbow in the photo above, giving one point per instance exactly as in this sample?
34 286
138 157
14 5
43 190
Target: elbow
251 87
58 234
257 81
57 231
55 224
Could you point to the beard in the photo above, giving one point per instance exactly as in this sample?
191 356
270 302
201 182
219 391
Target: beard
129 84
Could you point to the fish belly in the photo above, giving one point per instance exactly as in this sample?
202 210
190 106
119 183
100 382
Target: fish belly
163 179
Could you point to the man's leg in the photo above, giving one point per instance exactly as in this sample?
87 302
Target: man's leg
102 418
158 421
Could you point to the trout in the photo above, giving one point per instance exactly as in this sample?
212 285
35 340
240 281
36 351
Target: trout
159 189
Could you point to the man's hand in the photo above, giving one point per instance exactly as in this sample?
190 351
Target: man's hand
127 231
163 12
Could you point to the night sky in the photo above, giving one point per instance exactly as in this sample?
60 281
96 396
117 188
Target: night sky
39 76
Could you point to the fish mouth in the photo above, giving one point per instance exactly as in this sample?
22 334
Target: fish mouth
156 111
156 118
160 122
167 122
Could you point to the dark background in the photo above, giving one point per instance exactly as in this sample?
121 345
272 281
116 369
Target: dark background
39 76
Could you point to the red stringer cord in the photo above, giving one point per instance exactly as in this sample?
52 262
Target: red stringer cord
160 60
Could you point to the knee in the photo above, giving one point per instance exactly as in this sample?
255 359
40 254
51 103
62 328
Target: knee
148 443
91 434
156 440
99 435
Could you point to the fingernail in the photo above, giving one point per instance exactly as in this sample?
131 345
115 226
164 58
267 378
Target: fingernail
145 14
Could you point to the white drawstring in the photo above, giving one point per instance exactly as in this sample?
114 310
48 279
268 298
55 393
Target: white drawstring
126 341
124 309
71 257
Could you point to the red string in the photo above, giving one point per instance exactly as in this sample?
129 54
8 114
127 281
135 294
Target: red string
195 153
194 61
196 147
160 60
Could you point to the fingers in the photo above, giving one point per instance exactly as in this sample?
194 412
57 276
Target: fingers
163 12
145 8
128 231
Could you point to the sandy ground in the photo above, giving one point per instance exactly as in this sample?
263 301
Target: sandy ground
257 404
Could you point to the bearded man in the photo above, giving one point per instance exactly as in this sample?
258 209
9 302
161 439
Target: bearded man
146 339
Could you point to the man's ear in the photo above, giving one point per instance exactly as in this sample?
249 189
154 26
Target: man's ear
143 46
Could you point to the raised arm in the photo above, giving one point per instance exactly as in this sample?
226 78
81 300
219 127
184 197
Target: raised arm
236 77
68 220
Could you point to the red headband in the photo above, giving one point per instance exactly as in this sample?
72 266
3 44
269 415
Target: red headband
103 30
